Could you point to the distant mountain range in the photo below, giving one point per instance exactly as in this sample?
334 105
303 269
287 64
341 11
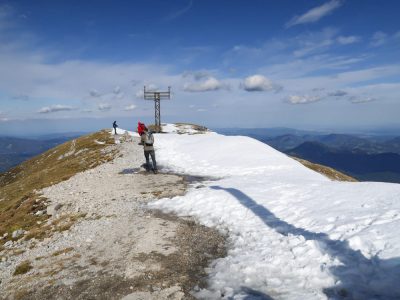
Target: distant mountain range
364 157
14 150
369 145
358 164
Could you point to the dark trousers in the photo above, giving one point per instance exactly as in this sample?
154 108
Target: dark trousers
153 159
115 129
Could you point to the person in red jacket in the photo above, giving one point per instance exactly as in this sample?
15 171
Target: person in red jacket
140 128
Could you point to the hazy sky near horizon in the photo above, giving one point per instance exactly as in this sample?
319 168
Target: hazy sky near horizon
312 64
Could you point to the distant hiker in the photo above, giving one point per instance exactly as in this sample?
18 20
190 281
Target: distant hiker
140 128
148 141
115 126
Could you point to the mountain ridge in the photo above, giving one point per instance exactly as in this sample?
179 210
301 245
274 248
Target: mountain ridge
79 227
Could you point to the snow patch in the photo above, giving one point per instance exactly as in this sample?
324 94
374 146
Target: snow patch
294 234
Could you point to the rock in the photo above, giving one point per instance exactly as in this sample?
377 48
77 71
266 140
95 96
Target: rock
39 213
51 209
17 233
9 244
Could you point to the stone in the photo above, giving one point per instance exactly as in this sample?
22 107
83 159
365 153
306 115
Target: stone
9 244
52 209
17 233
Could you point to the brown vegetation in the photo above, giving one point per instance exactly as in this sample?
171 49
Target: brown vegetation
19 186
199 129
327 171
23 268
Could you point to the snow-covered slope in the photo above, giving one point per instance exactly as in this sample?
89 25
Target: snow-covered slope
294 234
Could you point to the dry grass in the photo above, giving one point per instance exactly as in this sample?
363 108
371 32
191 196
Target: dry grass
63 223
199 129
327 171
23 268
154 128
18 186
182 128
63 251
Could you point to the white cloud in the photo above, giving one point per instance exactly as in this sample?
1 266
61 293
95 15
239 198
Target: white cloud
312 42
361 99
314 14
210 84
104 106
130 107
338 93
346 40
259 83
379 38
201 110
303 99
54 108
115 94
22 73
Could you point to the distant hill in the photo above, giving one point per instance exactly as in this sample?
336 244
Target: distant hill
286 138
338 141
358 164
14 150
364 157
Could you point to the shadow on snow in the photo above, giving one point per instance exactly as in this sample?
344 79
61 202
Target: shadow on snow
358 277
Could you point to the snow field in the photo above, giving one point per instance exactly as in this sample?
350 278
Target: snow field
293 233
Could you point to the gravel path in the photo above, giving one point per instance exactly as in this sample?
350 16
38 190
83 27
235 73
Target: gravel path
115 248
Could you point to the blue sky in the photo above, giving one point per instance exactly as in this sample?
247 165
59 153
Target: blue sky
78 65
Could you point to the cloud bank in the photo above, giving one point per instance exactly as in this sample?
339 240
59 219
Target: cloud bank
303 99
360 99
130 107
210 84
54 108
104 106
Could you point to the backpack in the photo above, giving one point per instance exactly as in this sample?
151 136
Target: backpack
149 139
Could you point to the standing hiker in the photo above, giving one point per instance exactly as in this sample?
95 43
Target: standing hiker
115 126
148 140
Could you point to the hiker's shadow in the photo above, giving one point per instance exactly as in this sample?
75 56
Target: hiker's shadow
130 171
357 277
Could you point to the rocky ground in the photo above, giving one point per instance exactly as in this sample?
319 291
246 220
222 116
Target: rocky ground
106 244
